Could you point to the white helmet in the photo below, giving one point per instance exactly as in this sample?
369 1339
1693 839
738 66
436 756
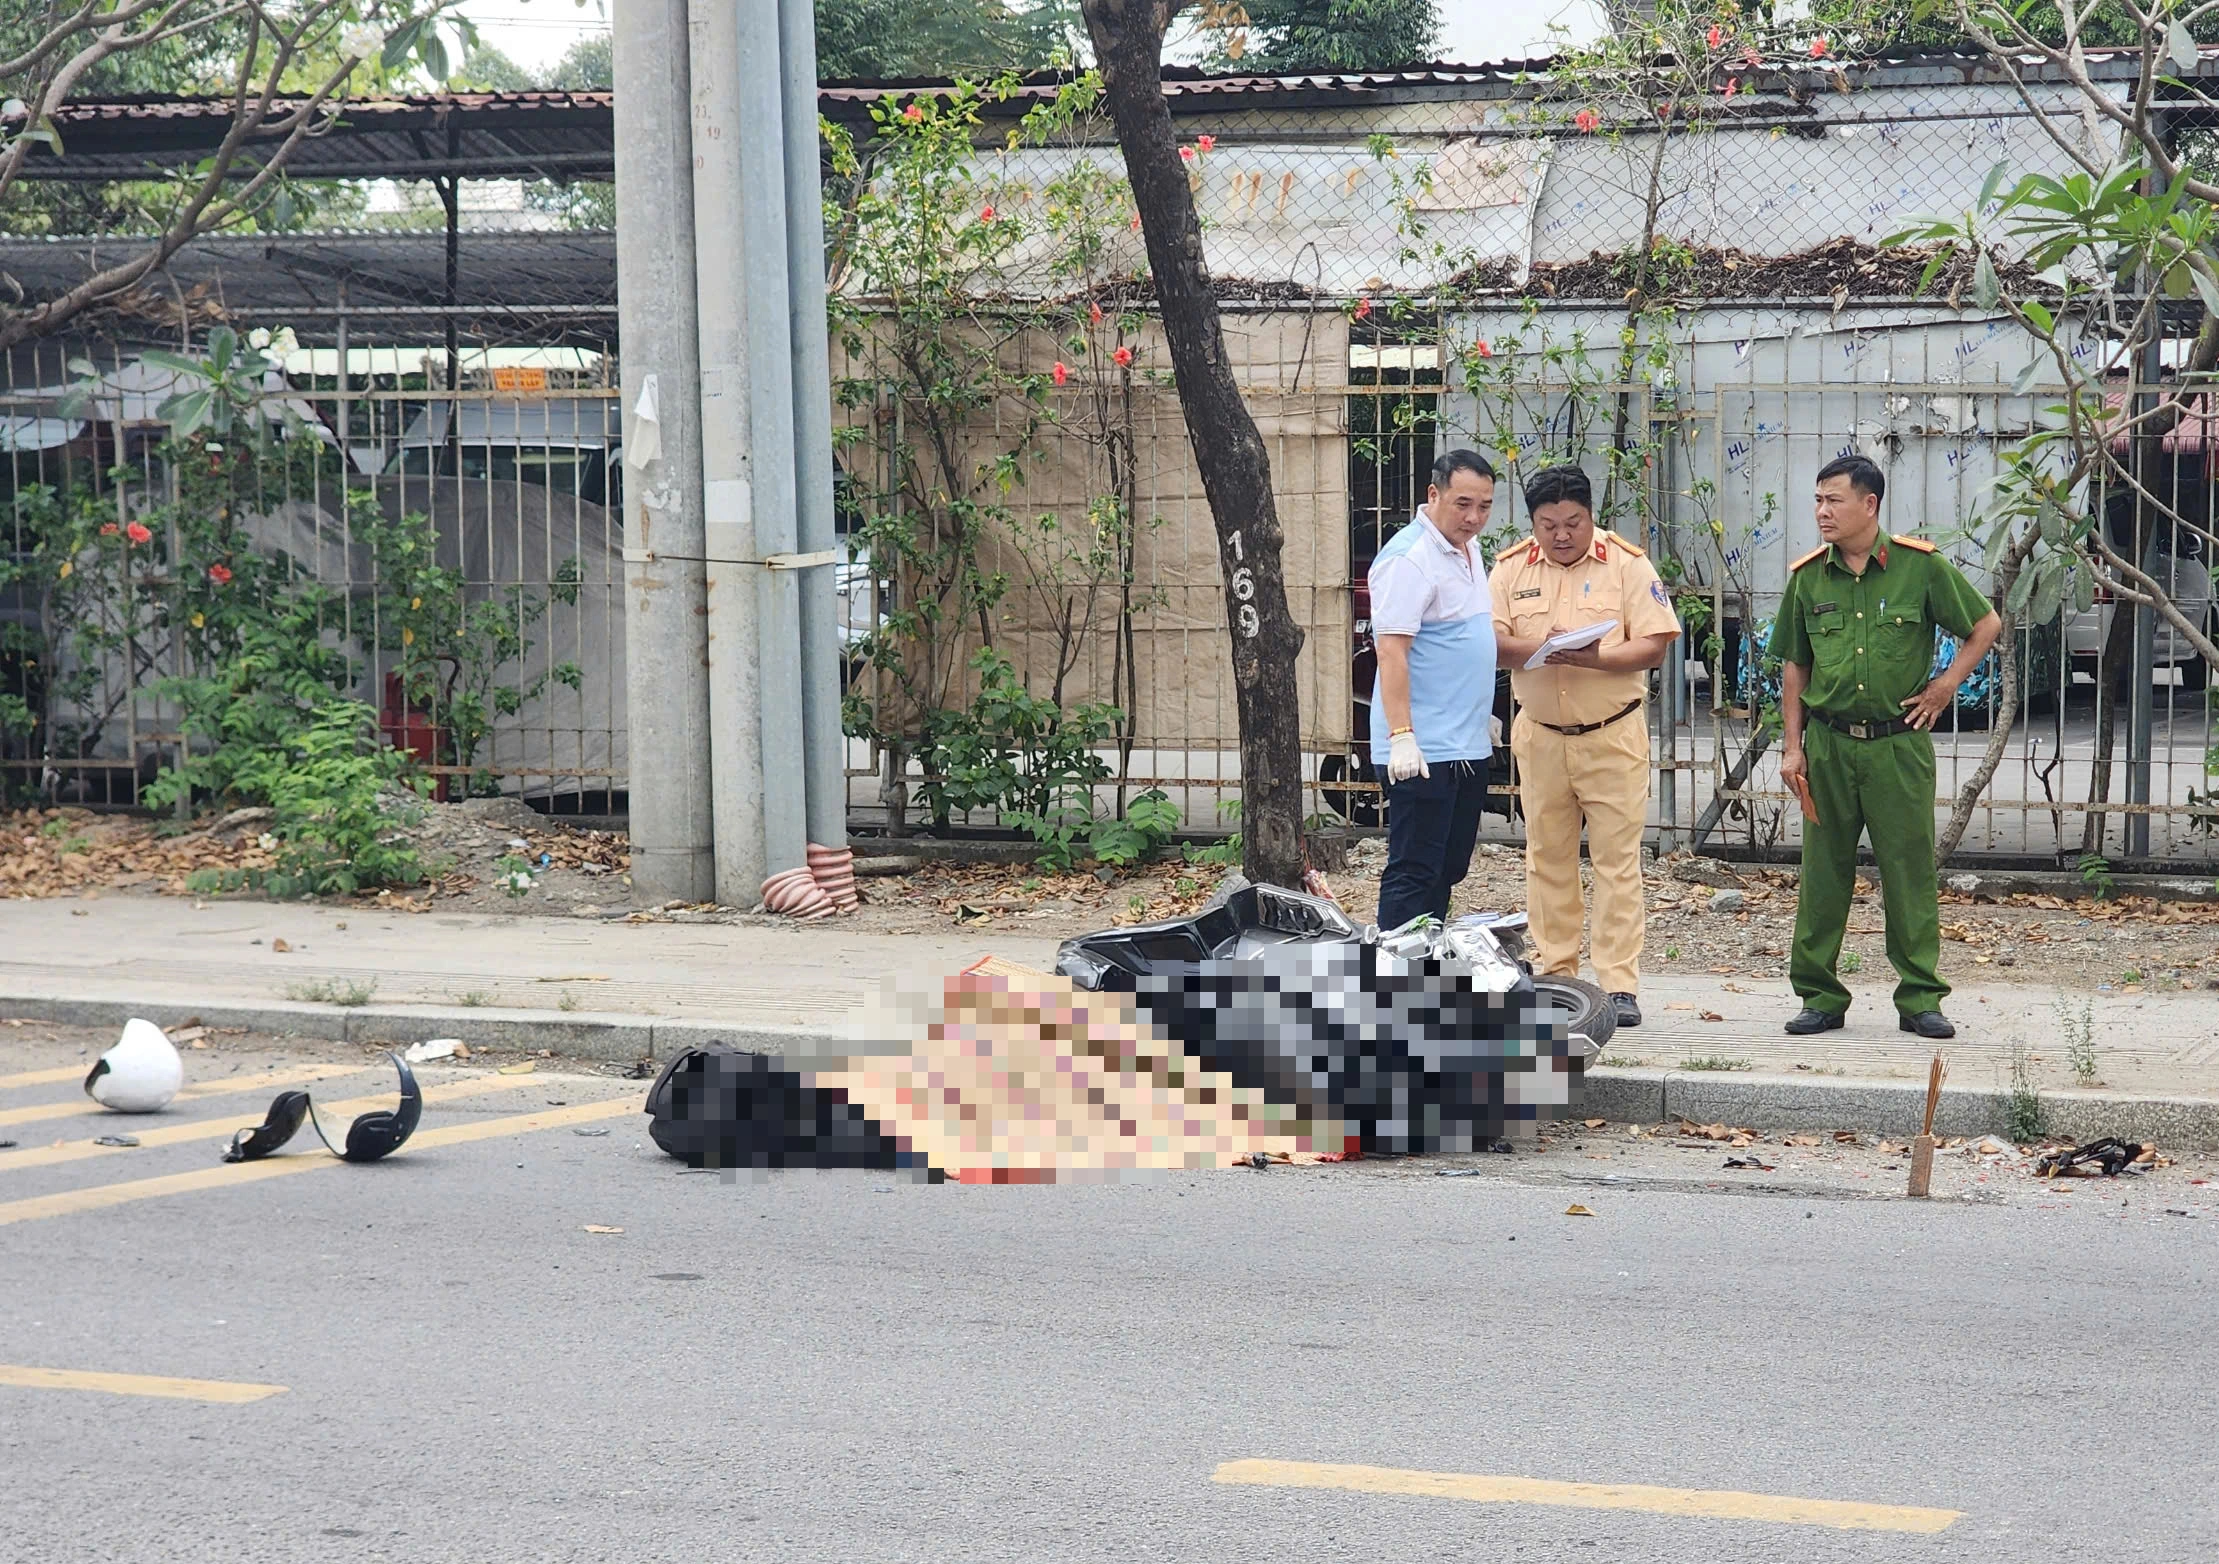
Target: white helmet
140 1074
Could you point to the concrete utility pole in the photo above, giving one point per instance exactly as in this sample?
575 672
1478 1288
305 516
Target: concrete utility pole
824 747
735 691
665 636
770 348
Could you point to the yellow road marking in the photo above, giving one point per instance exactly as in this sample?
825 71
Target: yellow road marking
1721 1504
223 1128
100 1196
223 1088
229 1391
68 1072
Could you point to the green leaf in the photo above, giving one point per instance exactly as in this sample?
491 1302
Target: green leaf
2084 588
399 44
1992 184
1933 269
2206 289
2048 589
433 52
2038 312
2021 590
2180 43
1987 287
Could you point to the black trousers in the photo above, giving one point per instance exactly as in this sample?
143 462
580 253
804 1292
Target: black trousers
1432 823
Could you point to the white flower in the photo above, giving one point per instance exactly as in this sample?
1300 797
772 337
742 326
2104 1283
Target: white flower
266 842
259 337
361 40
285 344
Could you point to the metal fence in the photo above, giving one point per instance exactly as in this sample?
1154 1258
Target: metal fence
1440 267
502 479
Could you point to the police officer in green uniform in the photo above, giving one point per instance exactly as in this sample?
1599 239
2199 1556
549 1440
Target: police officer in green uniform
1855 639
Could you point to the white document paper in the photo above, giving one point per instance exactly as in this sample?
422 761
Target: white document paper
1571 641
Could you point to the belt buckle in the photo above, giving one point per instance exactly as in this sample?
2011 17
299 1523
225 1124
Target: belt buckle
1860 730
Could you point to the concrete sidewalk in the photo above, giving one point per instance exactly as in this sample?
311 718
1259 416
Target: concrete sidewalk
619 990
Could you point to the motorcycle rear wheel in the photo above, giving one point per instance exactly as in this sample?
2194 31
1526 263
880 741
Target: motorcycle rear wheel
1586 1009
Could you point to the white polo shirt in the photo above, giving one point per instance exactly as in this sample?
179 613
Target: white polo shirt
1423 585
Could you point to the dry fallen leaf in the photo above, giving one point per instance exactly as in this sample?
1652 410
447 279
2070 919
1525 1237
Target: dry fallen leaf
1595 1124
1679 1005
279 946
1800 1140
521 1067
1846 1137
1711 1015
1577 1210
595 1227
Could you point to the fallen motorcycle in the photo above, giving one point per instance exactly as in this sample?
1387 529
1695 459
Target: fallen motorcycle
1421 1038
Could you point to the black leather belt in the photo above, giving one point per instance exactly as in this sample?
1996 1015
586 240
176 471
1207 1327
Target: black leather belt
1884 729
1577 728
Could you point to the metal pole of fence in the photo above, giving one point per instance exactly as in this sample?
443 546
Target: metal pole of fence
771 430
1667 758
665 617
824 758
735 690
2149 365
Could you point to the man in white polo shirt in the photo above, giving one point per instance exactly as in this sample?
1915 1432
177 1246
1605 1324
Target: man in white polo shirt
1434 700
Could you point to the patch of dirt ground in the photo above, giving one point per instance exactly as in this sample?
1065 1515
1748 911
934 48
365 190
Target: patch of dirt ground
498 855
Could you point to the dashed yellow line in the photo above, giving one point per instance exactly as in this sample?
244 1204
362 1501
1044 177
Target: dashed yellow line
230 1392
224 1128
229 1086
68 1072
224 1175
1707 1503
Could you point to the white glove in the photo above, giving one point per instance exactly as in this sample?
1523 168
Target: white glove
1404 759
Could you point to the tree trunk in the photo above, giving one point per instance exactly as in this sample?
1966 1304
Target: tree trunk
1236 469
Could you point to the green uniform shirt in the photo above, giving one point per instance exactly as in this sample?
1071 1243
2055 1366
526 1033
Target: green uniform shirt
1869 640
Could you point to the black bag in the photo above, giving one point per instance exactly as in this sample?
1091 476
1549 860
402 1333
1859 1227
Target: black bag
717 1107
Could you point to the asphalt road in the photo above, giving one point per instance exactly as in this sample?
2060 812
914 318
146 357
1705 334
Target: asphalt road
855 1367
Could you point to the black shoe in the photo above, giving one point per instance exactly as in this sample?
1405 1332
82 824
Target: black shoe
1927 1023
1808 1021
1629 1012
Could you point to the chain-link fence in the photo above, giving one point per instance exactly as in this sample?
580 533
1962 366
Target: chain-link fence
1698 307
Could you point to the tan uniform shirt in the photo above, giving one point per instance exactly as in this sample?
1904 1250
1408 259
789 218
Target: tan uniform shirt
1534 596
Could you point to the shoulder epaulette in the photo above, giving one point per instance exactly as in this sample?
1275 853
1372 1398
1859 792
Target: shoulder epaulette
1632 548
1816 553
1532 547
1920 544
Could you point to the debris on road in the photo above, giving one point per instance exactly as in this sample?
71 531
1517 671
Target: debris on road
1751 1163
369 1138
521 1067
2107 1157
1577 1210
596 1227
437 1048
110 1140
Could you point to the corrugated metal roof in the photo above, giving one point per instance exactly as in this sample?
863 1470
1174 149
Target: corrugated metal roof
570 135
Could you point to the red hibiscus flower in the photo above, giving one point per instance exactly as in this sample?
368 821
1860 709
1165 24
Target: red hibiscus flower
1094 313
913 114
1363 308
1714 37
1205 142
1587 120
110 530
986 214
1060 373
1818 48
1124 356
220 574
138 534
1482 348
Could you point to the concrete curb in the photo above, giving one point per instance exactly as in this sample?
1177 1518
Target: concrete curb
1876 1107
1770 1103
580 1034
